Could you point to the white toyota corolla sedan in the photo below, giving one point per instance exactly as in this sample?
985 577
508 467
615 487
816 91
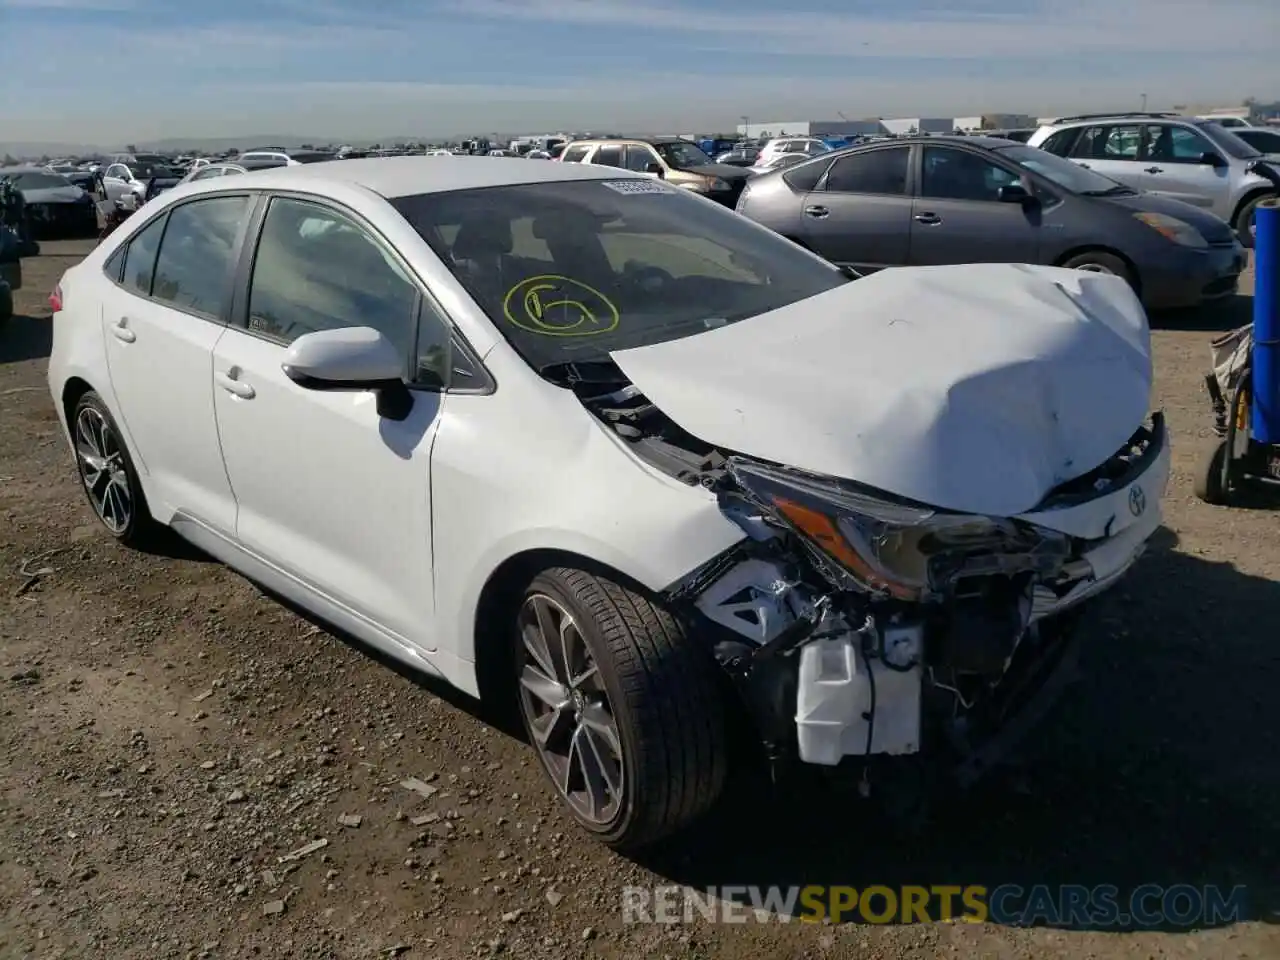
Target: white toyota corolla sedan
582 443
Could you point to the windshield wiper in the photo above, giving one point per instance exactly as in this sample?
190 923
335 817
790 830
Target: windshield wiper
1119 190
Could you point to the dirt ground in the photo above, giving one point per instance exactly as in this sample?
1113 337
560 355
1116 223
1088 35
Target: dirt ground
169 735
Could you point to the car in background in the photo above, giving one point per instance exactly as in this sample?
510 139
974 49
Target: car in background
125 183
943 200
805 146
209 171
1197 161
739 156
55 207
1019 135
779 161
1260 138
679 162
263 159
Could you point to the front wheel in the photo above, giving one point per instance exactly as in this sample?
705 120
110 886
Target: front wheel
621 706
1099 261
1246 225
1207 482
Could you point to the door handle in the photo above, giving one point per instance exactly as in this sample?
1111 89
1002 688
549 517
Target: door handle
818 213
228 382
930 218
1086 166
1153 170
122 332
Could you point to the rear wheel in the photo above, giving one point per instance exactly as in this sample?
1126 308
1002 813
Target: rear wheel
1207 483
107 473
6 303
622 708
1099 261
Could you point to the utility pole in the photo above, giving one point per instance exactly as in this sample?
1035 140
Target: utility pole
1144 103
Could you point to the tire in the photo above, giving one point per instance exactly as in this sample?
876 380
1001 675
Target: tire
6 304
1244 220
1099 261
657 687
95 434
1207 482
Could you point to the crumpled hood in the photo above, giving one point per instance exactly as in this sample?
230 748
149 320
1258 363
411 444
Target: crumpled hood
976 388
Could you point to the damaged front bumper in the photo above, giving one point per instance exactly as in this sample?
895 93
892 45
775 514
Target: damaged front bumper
856 626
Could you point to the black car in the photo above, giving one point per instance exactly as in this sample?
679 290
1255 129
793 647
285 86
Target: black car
55 207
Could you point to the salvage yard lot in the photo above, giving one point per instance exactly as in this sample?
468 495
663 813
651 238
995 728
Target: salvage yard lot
167 734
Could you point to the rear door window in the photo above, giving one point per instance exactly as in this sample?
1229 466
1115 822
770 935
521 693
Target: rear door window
140 258
575 154
195 255
609 155
876 171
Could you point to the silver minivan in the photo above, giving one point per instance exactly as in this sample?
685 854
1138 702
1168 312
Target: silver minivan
1196 161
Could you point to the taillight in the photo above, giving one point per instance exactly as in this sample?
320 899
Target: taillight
55 298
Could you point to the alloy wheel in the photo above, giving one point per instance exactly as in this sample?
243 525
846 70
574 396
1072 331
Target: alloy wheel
568 712
1095 268
99 454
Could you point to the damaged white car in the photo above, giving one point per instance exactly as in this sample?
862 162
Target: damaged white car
580 442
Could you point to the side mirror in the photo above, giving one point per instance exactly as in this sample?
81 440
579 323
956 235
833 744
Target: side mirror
656 169
1212 159
1014 193
351 358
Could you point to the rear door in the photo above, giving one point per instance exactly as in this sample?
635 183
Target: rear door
958 217
1112 149
1172 167
860 212
161 322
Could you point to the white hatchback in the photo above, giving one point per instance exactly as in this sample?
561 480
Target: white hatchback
582 443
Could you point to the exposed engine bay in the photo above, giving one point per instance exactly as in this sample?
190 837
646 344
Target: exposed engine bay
857 624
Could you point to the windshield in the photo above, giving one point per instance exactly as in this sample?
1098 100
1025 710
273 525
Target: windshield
1228 141
570 271
38 181
681 155
1065 173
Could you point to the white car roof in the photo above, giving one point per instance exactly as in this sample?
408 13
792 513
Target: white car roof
393 177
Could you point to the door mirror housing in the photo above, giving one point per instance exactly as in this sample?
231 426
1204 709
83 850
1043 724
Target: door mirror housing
656 169
1015 193
351 358
1209 158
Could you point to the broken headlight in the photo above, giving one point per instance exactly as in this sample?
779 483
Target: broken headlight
887 547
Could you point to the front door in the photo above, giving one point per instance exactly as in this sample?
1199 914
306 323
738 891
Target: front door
959 218
860 213
327 490
1173 167
160 325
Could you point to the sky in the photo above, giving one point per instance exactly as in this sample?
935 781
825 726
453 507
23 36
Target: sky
112 71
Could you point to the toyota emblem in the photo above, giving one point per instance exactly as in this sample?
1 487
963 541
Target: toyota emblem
1137 501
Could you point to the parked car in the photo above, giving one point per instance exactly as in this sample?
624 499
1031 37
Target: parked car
678 162
276 157
127 183
739 157
808 146
55 207
941 200
479 415
1261 139
209 171
1196 161
779 161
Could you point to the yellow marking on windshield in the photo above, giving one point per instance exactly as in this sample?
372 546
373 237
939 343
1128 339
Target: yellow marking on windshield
554 306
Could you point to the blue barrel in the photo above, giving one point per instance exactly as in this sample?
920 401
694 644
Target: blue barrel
1266 324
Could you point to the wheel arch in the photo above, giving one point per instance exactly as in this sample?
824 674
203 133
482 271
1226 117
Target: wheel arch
1135 276
499 599
1248 197
72 391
